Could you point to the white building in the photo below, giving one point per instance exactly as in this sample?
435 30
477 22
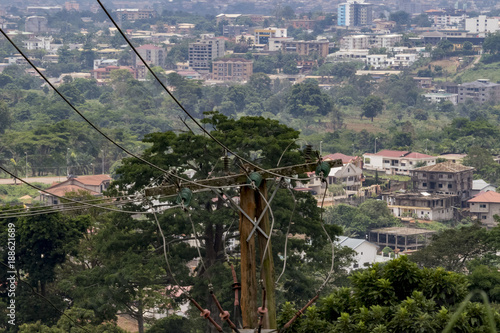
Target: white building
442 96
395 162
405 59
275 43
481 24
378 61
387 41
366 252
38 43
349 175
355 42
349 55
36 24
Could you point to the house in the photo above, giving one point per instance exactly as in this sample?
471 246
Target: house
366 252
442 96
94 185
444 178
455 158
349 175
485 206
396 162
433 207
479 186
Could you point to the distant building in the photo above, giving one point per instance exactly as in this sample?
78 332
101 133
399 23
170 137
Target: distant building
396 162
405 59
356 42
354 13
43 10
304 23
71 5
38 43
262 35
455 158
444 178
93 185
307 48
104 73
234 30
481 24
135 14
480 186
401 238
479 91
230 18
366 252
202 52
232 69
442 96
349 176
485 206
433 207
36 24
275 43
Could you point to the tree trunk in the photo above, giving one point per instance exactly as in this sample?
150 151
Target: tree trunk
140 316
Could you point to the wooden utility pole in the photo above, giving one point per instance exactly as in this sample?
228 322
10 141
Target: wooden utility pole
253 207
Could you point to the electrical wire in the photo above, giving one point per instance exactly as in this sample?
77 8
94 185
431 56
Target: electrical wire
71 200
286 237
270 230
94 126
177 101
198 246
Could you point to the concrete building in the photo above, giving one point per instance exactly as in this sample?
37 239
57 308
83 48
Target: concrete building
202 52
405 59
43 10
378 61
154 55
387 41
262 35
133 14
441 96
307 48
275 43
355 42
71 5
455 158
481 24
433 207
401 238
232 69
395 162
354 13
104 73
480 186
479 91
36 24
234 30
349 176
38 43
444 178
485 206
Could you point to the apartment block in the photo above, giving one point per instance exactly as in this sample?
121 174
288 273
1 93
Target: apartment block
307 47
479 91
396 162
202 52
354 13
262 35
135 14
233 69
481 24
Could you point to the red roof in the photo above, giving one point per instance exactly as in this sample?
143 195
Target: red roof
417 155
62 190
488 197
93 179
345 158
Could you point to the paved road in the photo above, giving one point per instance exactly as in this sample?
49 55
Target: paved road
44 180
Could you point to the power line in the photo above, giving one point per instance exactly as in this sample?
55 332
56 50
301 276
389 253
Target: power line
88 121
176 100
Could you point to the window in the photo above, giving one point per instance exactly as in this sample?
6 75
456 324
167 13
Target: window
450 176
440 185
424 184
450 186
482 206
483 217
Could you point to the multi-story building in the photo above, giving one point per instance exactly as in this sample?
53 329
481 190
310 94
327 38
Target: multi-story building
153 55
232 69
441 96
396 162
444 178
378 61
43 10
354 13
38 43
349 176
481 24
479 91
445 19
404 59
485 206
436 207
202 52
262 35
36 24
275 43
302 47
133 14
355 42
304 23
234 30
387 41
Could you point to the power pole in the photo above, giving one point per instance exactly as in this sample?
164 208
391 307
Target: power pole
254 219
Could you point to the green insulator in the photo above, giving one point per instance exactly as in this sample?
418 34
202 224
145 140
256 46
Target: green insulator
184 197
324 168
255 178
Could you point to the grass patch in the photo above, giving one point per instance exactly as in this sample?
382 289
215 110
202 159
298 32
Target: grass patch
481 71
10 194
